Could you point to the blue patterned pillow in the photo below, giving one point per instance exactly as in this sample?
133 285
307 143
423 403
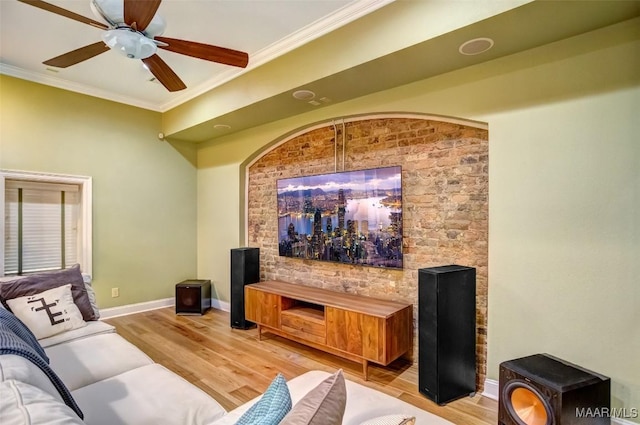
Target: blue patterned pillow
274 404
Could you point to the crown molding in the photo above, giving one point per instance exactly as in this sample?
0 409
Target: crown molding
48 80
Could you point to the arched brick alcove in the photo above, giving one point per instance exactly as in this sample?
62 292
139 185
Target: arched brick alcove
445 209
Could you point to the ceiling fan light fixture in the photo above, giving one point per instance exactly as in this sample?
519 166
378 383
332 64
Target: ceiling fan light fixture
129 43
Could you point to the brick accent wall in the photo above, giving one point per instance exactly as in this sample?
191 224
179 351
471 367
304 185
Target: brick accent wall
445 205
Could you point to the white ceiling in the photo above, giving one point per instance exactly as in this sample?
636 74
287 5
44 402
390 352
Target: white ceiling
265 29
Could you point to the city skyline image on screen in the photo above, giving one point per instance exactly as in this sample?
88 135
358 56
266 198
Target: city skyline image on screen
352 217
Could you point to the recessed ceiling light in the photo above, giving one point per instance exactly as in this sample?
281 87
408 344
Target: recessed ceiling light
221 127
304 95
476 46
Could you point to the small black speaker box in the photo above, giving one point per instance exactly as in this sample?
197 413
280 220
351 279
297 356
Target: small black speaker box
544 390
193 297
245 269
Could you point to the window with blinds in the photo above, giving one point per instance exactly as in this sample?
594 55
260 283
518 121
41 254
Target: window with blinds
42 222
47 222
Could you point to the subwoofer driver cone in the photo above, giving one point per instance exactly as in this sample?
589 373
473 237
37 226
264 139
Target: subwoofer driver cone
189 300
526 405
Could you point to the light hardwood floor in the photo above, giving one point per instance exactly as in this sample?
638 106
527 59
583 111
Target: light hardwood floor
233 366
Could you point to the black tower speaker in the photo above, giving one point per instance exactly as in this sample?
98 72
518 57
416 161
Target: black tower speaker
193 296
447 332
245 269
544 390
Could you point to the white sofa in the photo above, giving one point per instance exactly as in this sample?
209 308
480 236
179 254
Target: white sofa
114 383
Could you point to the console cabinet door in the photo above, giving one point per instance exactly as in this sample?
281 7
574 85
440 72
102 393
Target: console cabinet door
344 330
373 347
262 308
385 339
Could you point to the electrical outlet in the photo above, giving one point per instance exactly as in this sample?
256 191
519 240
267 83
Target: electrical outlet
115 292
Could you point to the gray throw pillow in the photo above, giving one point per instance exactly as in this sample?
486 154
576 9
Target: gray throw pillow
323 405
40 282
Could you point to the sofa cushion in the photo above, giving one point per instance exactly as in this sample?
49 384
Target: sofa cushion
84 361
272 406
148 395
17 368
39 282
391 420
24 404
363 403
17 339
95 327
323 405
49 312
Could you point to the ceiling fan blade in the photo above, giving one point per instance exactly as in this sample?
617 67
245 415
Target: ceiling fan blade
163 73
140 12
78 55
205 51
64 12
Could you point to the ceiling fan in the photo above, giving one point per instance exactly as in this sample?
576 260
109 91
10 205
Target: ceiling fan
134 30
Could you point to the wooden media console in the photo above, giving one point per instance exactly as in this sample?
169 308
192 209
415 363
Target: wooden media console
355 327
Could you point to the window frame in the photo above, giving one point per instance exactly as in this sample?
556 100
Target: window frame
85 249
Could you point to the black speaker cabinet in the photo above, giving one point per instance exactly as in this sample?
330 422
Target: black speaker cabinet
544 390
447 332
245 269
193 297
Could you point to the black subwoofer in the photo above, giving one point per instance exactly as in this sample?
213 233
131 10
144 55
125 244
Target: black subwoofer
446 332
245 269
193 296
544 390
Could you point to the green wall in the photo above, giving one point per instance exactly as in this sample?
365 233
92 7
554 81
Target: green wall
564 196
144 191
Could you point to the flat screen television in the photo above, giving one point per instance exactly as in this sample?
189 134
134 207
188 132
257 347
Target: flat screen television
352 217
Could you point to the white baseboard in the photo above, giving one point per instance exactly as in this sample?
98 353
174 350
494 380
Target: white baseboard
220 305
492 390
125 310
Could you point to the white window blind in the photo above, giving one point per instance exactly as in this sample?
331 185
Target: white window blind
41 226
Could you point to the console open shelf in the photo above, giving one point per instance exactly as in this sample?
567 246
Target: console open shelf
355 327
